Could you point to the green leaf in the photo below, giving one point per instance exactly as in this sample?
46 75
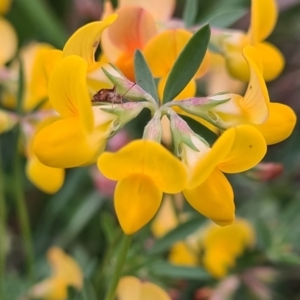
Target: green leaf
177 234
143 75
21 87
108 226
168 270
88 292
190 12
187 63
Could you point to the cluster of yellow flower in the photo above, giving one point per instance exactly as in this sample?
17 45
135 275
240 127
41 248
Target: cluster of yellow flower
69 130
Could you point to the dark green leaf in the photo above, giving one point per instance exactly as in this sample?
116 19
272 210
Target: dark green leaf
187 63
143 75
179 233
168 270
190 12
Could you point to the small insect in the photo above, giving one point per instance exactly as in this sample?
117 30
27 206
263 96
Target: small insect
110 95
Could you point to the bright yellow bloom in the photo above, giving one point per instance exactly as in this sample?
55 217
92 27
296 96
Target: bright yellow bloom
79 136
131 288
275 121
144 170
233 42
161 53
35 85
208 191
47 179
65 273
132 30
221 246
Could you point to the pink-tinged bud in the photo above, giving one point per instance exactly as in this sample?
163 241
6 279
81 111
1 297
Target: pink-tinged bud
266 171
153 130
203 293
118 141
102 184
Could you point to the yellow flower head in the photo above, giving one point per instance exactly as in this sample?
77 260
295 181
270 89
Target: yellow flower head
131 288
65 273
262 24
208 191
80 134
144 170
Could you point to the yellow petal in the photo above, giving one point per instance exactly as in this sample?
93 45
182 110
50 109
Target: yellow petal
262 23
137 199
7 121
272 59
213 198
53 288
248 149
68 91
148 158
151 291
182 254
188 92
160 10
49 61
64 145
85 40
8 41
256 99
162 51
4 6
47 179
280 124
65 267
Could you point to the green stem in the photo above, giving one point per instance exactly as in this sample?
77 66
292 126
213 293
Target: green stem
22 211
44 17
119 266
3 237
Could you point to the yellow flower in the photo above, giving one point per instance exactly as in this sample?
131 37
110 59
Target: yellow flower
131 288
4 6
221 246
65 273
132 30
144 170
161 53
208 191
35 85
275 121
80 134
261 25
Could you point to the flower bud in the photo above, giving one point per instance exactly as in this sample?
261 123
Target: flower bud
266 171
153 130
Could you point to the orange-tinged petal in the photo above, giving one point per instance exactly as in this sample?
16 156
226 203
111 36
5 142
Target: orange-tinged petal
248 149
280 124
256 99
160 10
64 145
188 92
213 198
68 91
8 41
47 179
183 254
148 158
272 59
125 63
85 40
137 199
65 267
263 20
162 51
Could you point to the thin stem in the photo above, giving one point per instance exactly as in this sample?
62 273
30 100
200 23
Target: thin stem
22 211
126 240
3 237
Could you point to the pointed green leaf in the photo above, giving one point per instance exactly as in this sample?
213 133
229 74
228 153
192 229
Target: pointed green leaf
143 75
190 12
187 63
